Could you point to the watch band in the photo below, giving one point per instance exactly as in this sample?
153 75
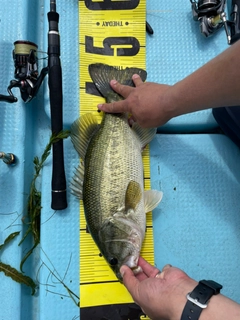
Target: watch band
197 300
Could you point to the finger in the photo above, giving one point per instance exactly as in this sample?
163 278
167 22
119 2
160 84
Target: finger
161 275
130 281
147 268
141 276
123 90
137 80
114 107
131 121
158 275
167 266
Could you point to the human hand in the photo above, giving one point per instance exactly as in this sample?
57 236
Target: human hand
161 295
145 102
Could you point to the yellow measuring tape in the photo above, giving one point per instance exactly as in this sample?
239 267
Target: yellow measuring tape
114 33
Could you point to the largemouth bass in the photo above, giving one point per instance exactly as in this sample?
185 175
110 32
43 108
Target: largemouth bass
109 179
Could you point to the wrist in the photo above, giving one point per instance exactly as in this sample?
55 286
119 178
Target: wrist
198 299
171 103
178 297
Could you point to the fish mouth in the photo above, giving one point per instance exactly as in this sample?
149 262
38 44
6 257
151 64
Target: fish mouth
131 262
137 270
132 259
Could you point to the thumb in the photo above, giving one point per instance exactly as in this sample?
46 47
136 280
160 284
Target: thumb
130 281
122 89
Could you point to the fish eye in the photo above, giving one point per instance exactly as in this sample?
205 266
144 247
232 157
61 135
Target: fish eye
113 261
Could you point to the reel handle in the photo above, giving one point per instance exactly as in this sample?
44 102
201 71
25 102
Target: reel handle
9 99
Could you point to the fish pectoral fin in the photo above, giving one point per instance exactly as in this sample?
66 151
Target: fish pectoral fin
145 135
133 195
82 130
76 185
152 199
102 74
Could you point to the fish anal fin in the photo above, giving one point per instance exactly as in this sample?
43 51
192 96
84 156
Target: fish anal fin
76 185
82 131
152 199
133 195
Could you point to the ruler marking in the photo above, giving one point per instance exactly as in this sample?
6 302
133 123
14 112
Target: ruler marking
87 283
95 27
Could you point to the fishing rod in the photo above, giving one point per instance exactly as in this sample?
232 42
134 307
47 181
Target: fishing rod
29 81
59 194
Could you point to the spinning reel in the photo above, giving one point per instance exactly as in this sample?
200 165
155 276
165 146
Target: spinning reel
26 72
211 15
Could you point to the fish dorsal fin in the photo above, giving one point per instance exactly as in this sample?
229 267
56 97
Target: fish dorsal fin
76 185
102 74
145 135
152 199
82 131
133 195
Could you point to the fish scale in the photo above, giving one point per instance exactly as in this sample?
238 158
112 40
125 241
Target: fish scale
120 154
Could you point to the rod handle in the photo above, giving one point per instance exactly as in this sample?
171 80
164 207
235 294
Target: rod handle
59 193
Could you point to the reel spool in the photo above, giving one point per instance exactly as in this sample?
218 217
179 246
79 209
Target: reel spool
25 60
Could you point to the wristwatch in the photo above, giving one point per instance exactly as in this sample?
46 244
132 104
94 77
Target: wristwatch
197 300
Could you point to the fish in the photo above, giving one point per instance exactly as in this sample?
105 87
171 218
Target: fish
110 178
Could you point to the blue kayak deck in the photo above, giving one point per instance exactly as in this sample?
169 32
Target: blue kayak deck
197 224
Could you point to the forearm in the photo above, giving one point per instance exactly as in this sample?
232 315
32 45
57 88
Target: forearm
216 84
219 306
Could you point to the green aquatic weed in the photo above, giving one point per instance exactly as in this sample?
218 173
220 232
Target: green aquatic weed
34 199
34 218
8 239
12 272
17 276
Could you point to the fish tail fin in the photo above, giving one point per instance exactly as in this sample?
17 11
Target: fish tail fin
102 74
